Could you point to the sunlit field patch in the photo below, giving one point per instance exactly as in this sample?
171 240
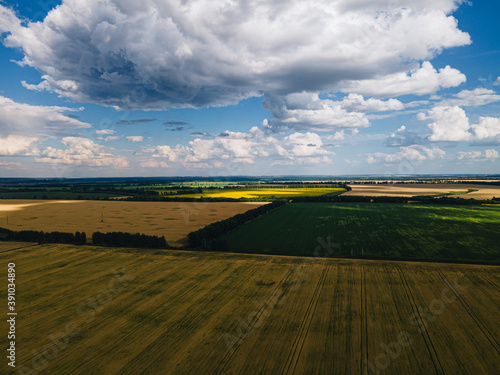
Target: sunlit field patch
262 193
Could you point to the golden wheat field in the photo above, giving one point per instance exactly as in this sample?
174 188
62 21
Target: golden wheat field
410 190
91 310
174 220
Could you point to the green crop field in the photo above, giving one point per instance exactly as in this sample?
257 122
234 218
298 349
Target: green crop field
399 231
263 193
92 310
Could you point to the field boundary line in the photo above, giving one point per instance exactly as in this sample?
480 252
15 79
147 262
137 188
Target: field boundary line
298 344
424 332
19 248
471 313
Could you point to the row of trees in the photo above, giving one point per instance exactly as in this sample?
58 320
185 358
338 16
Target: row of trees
332 198
122 239
77 238
420 199
209 237
174 198
452 201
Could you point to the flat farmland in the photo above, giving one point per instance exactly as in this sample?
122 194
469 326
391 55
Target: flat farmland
263 193
398 231
410 190
174 220
85 310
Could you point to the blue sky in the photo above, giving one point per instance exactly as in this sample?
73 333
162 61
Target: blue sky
166 87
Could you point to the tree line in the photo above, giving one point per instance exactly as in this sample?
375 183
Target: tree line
77 238
119 239
209 237
174 198
387 199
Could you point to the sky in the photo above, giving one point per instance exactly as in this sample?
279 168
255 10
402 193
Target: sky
108 88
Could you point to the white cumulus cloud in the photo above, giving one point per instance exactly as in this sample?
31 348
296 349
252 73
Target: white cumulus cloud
488 127
18 145
246 148
154 54
20 118
448 124
422 81
105 132
356 102
486 155
415 153
452 124
82 151
472 98
306 111
162 152
135 138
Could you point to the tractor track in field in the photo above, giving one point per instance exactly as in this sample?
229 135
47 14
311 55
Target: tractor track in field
423 330
191 317
275 295
495 286
473 316
19 248
298 344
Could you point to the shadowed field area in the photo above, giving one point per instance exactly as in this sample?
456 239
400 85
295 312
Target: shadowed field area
174 220
398 231
84 310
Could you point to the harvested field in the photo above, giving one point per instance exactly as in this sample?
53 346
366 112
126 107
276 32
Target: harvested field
410 190
174 220
85 310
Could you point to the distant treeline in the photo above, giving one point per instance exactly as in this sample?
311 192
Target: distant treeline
173 198
349 198
453 201
119 239
335 184
208 238
77 238
420 199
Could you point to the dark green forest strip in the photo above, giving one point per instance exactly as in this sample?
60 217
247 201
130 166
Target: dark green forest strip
119 239
209 237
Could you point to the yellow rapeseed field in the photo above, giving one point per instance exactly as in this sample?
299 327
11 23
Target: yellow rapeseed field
261 193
